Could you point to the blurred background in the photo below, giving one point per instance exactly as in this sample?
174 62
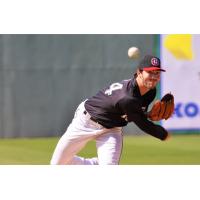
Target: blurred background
44 77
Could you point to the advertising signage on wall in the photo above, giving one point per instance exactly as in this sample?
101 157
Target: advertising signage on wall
180 56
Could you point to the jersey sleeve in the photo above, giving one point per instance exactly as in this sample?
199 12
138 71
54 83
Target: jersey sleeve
134 112
149 127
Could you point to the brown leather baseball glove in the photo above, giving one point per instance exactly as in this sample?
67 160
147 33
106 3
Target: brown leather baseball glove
162 109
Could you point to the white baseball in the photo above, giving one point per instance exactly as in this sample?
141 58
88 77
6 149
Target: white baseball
133 52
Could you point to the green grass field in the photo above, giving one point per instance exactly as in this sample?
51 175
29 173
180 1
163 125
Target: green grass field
180 149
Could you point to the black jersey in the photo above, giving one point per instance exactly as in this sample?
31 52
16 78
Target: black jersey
120 103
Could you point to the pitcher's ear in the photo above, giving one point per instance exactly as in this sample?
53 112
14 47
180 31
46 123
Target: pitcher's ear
139 71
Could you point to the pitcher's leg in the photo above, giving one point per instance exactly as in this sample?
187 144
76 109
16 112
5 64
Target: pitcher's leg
67 148
77 160
109 148
79 132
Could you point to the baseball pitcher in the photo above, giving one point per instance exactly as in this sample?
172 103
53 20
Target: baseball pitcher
102 117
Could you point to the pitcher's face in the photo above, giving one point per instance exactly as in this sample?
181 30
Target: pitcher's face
150 78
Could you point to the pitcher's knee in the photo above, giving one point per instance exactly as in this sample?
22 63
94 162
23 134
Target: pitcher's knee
60 161
108 162
54 162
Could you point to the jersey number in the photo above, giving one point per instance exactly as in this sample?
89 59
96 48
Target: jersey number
113 87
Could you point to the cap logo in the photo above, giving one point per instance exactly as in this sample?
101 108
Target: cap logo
154 61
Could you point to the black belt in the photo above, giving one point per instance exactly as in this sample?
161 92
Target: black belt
94 120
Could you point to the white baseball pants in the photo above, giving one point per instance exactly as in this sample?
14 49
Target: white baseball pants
80 131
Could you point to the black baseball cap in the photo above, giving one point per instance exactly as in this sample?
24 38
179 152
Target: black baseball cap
150 63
